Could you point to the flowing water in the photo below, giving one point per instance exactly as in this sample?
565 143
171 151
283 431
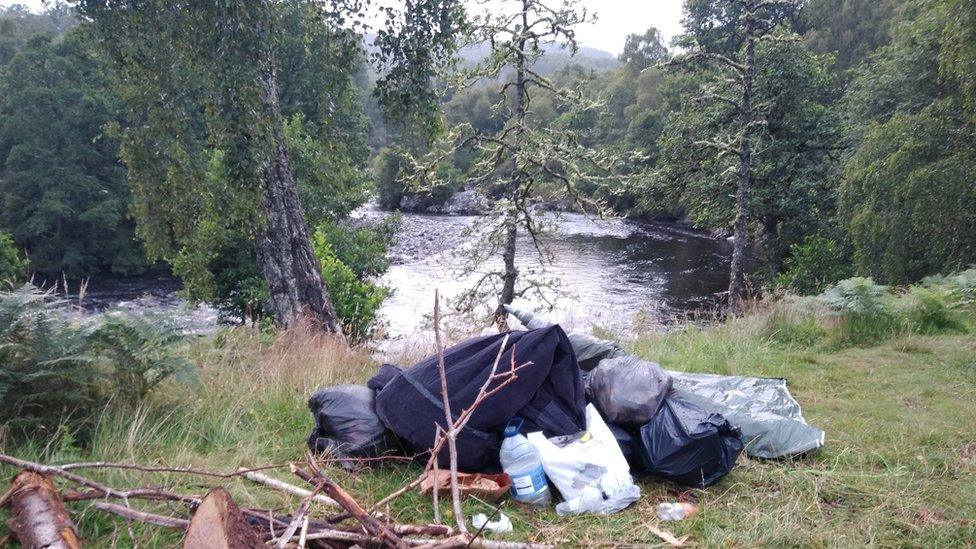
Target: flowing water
615 274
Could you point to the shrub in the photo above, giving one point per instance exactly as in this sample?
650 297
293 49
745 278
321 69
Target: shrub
928 311
813 265
388 169
13 266
961 286
862 311
60 373
356 299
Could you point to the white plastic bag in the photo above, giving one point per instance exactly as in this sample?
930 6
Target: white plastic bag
588 468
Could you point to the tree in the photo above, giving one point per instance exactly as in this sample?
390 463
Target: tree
63 189
908 197
513 160
222 58
18 25
644 50
725 35
850 30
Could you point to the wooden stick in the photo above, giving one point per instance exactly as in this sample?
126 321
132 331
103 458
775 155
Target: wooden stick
142 516
300 515
181 470
289 488
38 517
448 423
373 526
52 470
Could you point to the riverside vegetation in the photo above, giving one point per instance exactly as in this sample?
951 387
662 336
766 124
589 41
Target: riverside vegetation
887 373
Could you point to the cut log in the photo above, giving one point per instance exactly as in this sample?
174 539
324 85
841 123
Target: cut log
38 517
219 524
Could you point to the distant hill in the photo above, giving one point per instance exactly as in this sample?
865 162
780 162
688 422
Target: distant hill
555 58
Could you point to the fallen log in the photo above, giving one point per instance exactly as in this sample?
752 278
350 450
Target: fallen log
219 524
38 517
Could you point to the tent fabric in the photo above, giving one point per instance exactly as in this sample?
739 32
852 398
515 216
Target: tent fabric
548 394
768 416
689 444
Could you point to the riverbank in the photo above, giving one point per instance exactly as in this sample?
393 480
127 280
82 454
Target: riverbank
898 467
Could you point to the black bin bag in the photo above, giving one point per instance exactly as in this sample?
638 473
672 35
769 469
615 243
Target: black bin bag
346 424
688 444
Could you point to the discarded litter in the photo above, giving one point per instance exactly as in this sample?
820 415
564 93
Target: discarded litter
491 487
500 525
587 468
627 390
689 444
521 462
346 424
678 510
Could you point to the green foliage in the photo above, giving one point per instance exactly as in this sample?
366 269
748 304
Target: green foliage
65 372
929 311
814 264
857 296
793 166
388 166
908 198
138 353
18 24
356 300
961 285
64 196
13 265
849 29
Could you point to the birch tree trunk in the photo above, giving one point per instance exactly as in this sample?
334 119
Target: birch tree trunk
282 243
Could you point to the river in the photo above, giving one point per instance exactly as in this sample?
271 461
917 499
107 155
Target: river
619 275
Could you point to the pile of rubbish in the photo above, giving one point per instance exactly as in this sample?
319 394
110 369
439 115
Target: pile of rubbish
581 418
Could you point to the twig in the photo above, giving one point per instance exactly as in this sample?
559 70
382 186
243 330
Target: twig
285 487
301 515
320 480
59 472
142 516
449 422
180 470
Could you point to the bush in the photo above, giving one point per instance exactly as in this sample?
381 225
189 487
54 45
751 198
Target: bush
961 286
929 311
813 265
388 169
60 373
356 299
13 266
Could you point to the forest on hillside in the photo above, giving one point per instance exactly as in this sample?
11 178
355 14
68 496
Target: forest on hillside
830 138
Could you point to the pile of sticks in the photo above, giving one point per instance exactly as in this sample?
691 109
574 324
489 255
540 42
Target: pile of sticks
39 517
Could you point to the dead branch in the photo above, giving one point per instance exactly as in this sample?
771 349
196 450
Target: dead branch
180 470
374 527
51 470
285 487
141 516
300 517
449 421
38 517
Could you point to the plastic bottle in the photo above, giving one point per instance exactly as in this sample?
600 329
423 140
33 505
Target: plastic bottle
676 511
522 464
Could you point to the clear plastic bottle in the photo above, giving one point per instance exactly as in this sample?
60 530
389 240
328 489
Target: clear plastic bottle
522 464
676 511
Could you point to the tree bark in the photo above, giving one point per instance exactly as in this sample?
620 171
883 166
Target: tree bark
219 524
737 270
38 517
283 247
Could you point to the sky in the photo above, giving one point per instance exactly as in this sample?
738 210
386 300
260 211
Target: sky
615 20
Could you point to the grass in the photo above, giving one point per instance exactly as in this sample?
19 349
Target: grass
898 468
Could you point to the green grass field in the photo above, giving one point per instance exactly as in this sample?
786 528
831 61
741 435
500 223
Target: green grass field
898 468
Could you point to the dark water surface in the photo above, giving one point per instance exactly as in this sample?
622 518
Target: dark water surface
616 274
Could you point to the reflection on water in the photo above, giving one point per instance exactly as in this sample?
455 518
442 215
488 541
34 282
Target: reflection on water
614 274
